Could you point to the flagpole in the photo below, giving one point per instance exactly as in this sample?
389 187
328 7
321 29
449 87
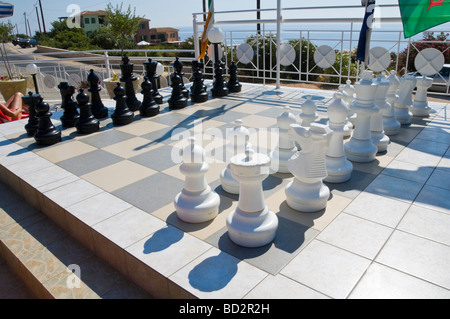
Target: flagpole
278 43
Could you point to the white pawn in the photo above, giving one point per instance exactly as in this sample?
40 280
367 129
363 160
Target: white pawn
379 138
390 124
420 106
404 101
360 148
237 142
196 203
339 169
307 192
251 224
309 112
286 147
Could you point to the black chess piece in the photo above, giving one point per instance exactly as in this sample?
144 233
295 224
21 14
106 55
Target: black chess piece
198 88
148 107
219 88
177 99
178 67
31 100
122 114
128 78
68 104
233 83
47 134
150 69
87 123
97 107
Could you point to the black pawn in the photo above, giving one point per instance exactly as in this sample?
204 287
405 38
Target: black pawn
177 99
178 67
128 78
219 88
233 83
150 69
122 114
97 107
31 100
148 107
47 134
87 123
70 115
198 88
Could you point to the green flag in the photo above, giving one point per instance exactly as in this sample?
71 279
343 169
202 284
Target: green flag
421 15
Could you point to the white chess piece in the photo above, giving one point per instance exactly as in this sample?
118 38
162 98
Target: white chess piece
390 124
309 112
404 101
251 224
307 192
360 148
339 169
379 138
420 106
286 147
196 203
349 96
237 142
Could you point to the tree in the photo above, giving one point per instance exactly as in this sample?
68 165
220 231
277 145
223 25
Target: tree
122 24
5 34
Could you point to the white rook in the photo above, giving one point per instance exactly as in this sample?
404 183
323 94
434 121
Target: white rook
196 203
251 224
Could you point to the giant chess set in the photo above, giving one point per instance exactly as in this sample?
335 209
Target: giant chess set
253 149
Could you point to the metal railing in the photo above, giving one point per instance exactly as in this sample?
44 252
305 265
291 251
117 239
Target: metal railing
265 66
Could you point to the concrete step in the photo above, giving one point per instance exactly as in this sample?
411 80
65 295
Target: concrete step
43 261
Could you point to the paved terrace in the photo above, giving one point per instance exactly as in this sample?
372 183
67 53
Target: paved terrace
384 234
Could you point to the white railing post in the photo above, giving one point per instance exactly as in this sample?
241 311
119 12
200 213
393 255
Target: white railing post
278 43
108 68
196 39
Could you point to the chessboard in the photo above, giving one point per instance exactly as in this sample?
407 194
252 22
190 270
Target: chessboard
137 165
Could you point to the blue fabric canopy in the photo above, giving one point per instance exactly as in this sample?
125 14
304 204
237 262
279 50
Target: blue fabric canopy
6 10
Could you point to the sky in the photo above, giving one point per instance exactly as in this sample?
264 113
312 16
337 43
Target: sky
176 13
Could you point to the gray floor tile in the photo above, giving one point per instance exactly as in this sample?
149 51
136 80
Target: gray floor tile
434 198
381 282
89 162
394 187
418 257
357 235
327 269
151 193
427 223
386 211
106 138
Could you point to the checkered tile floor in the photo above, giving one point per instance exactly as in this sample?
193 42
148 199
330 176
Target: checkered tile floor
357 247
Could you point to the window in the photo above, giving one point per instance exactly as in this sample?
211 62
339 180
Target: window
86 20
92 20
142 26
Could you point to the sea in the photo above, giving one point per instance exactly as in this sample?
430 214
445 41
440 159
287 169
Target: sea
340 36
